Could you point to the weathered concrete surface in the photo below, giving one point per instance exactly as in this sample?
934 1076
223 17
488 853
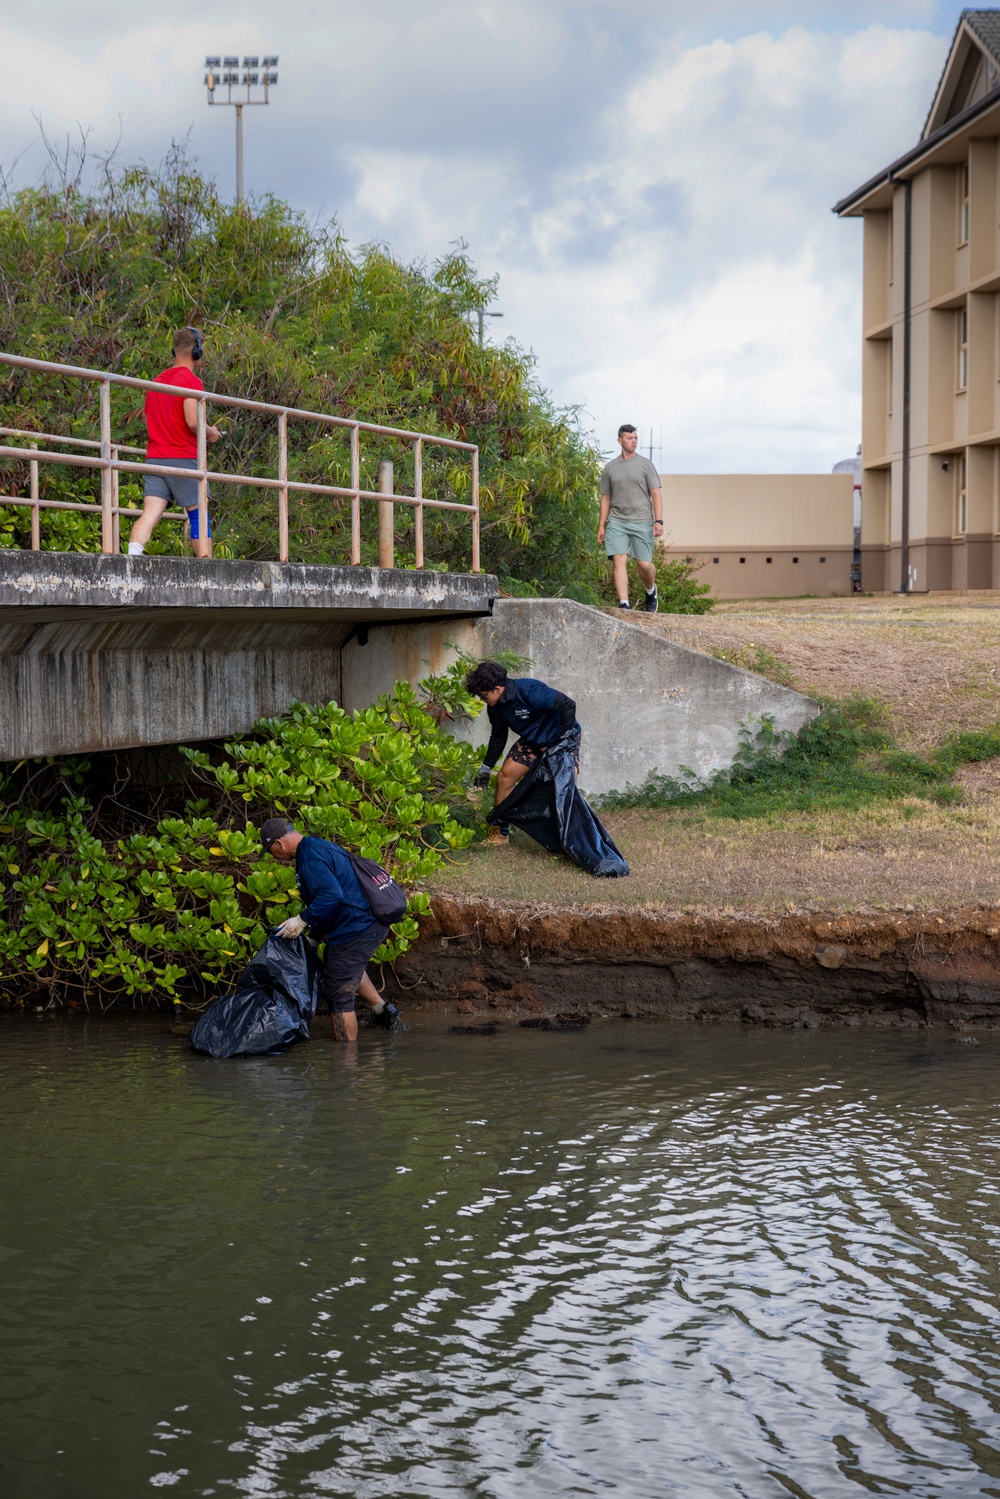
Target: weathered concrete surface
808 970
645 703
111 652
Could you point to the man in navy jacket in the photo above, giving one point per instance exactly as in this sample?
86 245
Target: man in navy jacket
336 912
538 714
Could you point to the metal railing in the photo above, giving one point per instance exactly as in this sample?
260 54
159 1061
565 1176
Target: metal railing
110 464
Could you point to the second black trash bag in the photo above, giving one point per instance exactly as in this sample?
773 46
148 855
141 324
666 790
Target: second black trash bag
269 1009
547 805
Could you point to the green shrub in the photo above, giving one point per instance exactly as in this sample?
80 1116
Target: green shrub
178 911
844 758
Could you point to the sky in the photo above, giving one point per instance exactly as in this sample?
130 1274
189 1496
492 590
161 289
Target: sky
651 184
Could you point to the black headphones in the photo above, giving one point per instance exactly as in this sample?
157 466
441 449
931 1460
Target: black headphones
198 349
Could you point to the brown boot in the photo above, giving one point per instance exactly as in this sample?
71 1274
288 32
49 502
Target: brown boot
497 839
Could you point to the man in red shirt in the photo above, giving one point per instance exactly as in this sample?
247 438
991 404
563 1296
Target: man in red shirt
172 425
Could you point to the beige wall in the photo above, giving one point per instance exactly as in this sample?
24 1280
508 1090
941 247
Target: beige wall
763 535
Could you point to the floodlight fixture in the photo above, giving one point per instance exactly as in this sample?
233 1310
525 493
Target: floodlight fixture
251 77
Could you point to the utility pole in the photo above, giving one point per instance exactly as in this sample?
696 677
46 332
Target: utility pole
224 72
482 316
658 446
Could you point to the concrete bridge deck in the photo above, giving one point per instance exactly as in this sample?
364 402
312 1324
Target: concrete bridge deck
114 652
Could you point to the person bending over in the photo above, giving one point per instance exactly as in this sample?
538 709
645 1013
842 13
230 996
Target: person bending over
538 714
336 912
172 424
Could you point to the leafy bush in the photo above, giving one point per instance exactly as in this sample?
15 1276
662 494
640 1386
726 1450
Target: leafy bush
177 911
844 758
677 585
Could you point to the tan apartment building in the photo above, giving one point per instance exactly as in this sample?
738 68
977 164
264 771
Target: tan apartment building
763 535
931 339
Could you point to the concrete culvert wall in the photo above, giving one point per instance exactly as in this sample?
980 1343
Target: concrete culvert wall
645 703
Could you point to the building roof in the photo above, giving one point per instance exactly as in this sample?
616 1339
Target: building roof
969 87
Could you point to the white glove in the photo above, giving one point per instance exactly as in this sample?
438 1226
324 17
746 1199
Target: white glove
293 927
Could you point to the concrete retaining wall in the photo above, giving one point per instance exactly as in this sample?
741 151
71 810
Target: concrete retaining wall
645 703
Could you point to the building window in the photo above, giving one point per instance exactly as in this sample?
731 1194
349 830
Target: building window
743 559
822 559
767 559
795 559
963 207
961 497
715 559
963 348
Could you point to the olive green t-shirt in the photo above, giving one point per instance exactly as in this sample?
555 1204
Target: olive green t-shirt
629 481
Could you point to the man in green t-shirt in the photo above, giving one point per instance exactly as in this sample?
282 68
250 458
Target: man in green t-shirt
631 516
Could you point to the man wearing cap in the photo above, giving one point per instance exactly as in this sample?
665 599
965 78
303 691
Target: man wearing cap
336 912
172 424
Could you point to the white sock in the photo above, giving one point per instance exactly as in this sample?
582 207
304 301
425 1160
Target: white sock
377 1009
650 591
135 548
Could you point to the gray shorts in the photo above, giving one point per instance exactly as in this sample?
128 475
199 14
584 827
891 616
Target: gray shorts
180 491
624 538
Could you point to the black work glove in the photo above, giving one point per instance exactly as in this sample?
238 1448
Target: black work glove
482 776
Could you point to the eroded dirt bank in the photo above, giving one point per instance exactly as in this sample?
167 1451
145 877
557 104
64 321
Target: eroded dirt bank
880 969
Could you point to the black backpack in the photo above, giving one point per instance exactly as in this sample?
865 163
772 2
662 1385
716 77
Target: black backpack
386 898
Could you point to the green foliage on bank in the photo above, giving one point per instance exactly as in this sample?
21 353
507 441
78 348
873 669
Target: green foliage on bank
844 759
92 905
292 316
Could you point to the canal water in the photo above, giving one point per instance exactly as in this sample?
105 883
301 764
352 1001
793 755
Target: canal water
643 1261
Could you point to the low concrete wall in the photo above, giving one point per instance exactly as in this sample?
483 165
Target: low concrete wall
106 652
645 703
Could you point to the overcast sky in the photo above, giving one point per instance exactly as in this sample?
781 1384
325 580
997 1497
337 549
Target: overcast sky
651 182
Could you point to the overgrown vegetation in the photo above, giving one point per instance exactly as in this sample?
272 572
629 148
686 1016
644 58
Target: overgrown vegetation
292 316
98 900
845 758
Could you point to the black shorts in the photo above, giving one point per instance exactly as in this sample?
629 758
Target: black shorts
523 753
344 965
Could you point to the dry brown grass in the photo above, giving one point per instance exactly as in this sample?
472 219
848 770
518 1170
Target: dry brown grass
897 855
934 660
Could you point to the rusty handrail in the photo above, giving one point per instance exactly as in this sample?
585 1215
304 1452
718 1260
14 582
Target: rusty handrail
110 465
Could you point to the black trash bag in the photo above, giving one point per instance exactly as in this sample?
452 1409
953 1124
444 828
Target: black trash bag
548 806
269 1009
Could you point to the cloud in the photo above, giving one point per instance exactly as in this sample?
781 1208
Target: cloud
654 194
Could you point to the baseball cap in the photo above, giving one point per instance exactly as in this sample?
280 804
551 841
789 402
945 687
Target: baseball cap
273 829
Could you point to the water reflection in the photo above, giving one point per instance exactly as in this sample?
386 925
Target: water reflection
647 1262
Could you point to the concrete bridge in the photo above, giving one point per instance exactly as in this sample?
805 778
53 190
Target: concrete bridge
104 652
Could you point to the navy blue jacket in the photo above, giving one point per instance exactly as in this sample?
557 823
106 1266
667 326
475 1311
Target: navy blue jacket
336 907
538 714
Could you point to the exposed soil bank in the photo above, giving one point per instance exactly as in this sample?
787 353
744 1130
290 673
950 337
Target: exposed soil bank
806 970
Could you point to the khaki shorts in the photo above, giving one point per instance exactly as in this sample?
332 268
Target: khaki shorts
632 538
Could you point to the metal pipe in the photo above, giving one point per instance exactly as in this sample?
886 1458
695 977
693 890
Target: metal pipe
386 538
904 582
239 153
355 497
36 533
107 488
475 511
418 494
202 440
116 525
283 490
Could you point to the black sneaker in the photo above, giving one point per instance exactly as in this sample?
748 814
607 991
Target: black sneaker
624 604
652 602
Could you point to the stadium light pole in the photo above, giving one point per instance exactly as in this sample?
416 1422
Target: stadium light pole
226 73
